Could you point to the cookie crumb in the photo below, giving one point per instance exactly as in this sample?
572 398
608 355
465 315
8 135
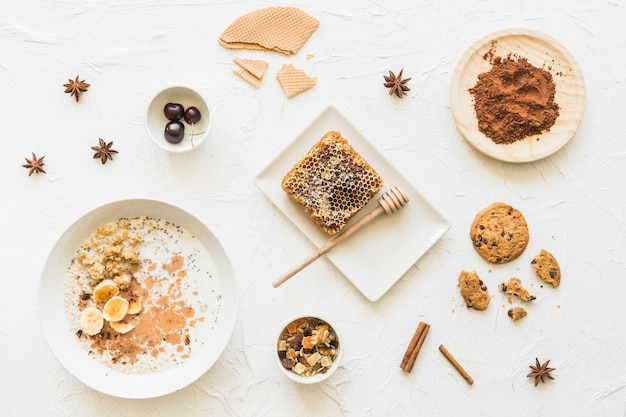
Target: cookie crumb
516 313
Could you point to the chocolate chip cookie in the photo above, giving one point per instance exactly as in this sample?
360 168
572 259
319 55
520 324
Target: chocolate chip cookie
499 233
474 290
546 266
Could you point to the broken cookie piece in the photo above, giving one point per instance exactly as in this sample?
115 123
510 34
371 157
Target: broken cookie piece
546 266
514 287
516 313
473 290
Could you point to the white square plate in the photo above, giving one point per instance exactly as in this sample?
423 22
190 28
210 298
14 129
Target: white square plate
380 253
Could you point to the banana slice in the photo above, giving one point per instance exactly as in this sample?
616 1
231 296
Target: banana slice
134 307
121 327
115 309
105 290
91 321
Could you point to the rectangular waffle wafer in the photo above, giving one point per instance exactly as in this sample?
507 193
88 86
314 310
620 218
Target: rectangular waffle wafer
333 182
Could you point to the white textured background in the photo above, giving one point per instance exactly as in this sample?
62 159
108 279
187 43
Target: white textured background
574 202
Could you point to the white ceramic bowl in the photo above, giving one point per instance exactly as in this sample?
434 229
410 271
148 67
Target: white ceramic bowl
156 120
319 377
75 357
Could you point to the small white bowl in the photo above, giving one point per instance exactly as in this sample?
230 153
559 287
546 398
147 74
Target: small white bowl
156 120
318 377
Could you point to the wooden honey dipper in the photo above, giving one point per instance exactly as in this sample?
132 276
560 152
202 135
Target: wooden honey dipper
389 203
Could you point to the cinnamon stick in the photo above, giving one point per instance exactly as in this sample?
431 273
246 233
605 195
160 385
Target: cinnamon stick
456 364
412 344
410 355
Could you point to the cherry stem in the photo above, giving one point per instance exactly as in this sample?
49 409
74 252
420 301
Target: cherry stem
192 134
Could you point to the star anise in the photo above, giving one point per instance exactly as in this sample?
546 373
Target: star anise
540 371
396 84
34 165
104 151
76 87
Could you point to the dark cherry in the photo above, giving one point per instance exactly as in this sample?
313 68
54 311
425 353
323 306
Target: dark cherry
174 132
192 115
173 111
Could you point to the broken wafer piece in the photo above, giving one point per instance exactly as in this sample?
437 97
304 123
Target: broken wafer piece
252 70
281 29
256 67
248 77
293 80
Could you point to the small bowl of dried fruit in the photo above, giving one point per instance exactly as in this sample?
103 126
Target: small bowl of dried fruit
308 350
178 119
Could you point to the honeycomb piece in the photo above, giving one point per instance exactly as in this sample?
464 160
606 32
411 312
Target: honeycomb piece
333 182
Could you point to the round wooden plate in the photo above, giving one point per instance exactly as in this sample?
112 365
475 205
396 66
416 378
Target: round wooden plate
542 51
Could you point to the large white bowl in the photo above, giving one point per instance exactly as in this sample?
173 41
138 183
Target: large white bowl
63 341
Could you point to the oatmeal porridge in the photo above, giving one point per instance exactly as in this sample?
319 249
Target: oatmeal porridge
142 294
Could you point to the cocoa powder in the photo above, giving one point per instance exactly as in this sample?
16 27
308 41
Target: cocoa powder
514 100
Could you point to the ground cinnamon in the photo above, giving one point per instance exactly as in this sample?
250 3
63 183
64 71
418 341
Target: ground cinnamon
514 99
